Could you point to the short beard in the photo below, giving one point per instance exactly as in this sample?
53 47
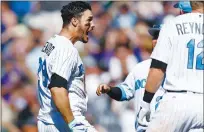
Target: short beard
84 41
82 38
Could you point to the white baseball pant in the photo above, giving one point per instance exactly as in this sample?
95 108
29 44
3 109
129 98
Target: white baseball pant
178 112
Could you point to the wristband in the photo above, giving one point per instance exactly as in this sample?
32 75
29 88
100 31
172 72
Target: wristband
72 124
115 93
148 96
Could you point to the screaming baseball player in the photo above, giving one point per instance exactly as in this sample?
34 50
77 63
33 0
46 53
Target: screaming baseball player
61 89
179 55
133 86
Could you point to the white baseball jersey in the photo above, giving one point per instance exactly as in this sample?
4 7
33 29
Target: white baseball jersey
61 57
180 45
134 85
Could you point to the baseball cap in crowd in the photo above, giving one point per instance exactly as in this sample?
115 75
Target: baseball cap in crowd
185 6
154 31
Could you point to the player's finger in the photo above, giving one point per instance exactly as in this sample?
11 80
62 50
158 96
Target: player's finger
142 118
103 89
98 92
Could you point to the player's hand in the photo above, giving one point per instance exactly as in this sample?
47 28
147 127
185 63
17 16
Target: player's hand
143 116
76 126
102 88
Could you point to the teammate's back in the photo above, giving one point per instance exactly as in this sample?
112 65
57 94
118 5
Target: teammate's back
179 55
184 48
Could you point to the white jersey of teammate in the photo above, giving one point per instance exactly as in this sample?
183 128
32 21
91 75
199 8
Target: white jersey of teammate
180 45
134 85
61 57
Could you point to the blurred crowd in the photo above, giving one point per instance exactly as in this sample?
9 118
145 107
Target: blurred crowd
120 41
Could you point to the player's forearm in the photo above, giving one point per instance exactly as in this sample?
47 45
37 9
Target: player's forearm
154 81
61 100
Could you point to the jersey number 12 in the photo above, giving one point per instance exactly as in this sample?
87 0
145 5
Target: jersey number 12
199 57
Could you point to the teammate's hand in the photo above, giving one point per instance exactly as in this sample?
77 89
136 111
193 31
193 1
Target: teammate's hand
102 88
143 116
76 126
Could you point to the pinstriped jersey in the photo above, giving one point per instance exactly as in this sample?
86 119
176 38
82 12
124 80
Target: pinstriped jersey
61 57
180 45
133 87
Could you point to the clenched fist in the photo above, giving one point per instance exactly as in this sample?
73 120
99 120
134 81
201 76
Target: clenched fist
102 88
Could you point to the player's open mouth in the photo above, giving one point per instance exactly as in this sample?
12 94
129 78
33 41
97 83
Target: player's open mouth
87 34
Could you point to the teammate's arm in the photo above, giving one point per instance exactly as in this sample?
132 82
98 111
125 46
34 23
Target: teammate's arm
160 57
123 91
113 92
154 79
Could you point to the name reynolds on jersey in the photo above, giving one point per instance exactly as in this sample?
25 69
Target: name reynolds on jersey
190 28
48 48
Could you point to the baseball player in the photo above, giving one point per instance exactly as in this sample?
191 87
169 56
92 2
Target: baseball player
133 86
178 54
61 89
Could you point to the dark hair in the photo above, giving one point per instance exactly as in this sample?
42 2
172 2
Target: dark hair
120 45
73 9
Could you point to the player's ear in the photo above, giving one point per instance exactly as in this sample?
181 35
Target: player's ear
74 21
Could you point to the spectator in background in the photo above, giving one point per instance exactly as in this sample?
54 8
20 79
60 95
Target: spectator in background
34 49
125 18
148 11
108 47
8 21
10 79
96 44
93 79
8 118
169 11
97 8
99 107
26 119
143 41
20 8
122 62
21 37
